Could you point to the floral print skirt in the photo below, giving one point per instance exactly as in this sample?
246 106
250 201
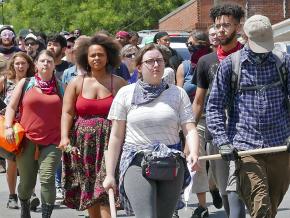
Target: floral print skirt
84 166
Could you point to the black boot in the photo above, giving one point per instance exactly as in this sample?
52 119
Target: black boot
216 198
25 208
47 210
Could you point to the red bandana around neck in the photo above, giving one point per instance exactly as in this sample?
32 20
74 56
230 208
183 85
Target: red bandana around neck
47 87
223 54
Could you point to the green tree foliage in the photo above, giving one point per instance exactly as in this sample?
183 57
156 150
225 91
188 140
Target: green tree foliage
88 15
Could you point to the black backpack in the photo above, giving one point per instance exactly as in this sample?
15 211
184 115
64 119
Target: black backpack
236 76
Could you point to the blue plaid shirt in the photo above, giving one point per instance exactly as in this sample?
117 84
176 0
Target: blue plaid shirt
258 119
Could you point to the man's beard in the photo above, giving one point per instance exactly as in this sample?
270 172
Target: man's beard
7 44
58 54
229 39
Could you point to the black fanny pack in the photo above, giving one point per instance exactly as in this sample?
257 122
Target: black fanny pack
160 168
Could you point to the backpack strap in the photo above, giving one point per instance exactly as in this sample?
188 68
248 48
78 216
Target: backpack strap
279 57
59 86
26 82
283 74
235 77
236 71
281 68
30 83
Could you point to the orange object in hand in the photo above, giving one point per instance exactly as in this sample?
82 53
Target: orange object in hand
18 135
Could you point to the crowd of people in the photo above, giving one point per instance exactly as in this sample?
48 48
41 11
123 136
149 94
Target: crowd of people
78 97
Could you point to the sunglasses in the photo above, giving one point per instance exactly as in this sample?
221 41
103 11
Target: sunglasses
30 43
7 34
189 44
130 55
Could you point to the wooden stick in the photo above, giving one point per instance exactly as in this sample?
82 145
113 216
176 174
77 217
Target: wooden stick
111 194
248 152
112 203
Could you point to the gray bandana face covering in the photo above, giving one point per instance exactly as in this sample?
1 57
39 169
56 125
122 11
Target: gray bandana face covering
257 57
145 93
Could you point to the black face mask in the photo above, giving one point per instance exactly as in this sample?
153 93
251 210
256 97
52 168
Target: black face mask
194 48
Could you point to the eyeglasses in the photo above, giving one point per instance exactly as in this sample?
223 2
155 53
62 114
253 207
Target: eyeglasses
223 25
151 62
130 55
30 43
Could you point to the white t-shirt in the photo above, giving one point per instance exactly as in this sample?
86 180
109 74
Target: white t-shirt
156 122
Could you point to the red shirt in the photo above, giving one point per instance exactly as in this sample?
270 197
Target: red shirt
40 117
98 107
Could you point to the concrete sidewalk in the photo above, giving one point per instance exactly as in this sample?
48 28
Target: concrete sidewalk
63 212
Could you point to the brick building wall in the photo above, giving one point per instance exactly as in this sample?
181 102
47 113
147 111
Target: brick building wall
205 20
183 19
195 13
206 5
271 8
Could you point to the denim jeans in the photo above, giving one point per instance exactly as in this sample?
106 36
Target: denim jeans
58 175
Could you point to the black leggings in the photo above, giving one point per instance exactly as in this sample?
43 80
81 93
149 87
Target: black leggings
149 198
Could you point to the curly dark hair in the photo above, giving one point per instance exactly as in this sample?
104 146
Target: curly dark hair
11 73
227 9
149 47
58 39
111 46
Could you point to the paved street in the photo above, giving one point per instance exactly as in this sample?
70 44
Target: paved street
63 212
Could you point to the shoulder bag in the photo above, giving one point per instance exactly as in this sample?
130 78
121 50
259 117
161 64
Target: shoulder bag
17 129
